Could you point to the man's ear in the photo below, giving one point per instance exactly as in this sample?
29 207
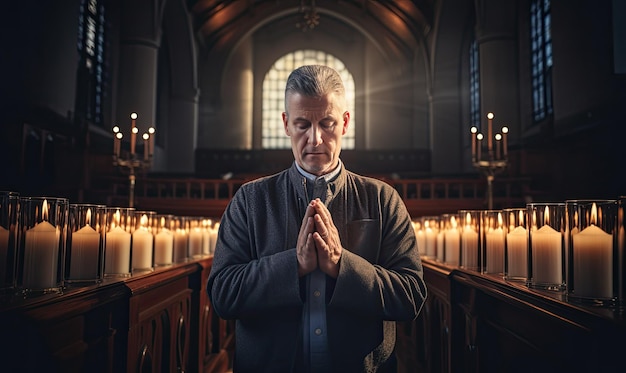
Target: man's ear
346 122
286 123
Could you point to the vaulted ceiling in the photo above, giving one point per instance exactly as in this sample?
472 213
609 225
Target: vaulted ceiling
399 25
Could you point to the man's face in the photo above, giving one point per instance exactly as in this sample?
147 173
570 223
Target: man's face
315 126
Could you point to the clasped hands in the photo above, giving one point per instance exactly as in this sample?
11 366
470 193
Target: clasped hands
318 244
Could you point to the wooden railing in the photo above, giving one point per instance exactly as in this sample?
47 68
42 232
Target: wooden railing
209 197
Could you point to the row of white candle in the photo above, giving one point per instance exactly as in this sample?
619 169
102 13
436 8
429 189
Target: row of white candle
575 245
46 242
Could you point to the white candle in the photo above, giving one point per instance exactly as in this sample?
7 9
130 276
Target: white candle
4 252
213 236
517 252
195 242
440 245
452 245
180 245
142 248
593 263
547 256
206 236
430 240
163 247
469 245
421 240
85 251
117 252
494 251
41 252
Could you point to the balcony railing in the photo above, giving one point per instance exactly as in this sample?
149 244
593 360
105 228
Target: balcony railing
209 197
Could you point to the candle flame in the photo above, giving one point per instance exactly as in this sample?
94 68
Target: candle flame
500 220
479 136
521 217
116 129
490 115
468 219
145 136
135 130
473 129
116 218
498 137
505 129
151 130
546 216
133 115
88 216
144 220
453 222
162 221
44 210
594 214
119 135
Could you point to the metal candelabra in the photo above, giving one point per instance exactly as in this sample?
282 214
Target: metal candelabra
130 161
495 159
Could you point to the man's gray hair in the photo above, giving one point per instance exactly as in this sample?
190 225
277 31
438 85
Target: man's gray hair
315 81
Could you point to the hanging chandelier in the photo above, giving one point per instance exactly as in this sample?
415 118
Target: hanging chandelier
310 17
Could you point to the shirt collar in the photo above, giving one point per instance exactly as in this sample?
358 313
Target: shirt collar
327 177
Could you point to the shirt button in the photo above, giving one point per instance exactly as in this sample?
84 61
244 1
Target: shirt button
318 331
317 293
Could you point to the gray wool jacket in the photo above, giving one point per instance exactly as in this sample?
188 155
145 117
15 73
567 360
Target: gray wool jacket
254 277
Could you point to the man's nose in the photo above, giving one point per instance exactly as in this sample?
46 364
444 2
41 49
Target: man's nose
315 136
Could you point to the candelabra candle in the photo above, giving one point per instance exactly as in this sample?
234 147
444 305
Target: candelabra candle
593 251
42 243
117 140
133 132
145 146
87 224
505 131
547 245
498 138
495 161
9 202
151 132
490 117
130 162
474 132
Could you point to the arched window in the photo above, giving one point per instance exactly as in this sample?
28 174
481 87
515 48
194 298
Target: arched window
273 135
541 49
474 85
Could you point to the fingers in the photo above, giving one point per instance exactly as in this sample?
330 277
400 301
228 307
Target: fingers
306 254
